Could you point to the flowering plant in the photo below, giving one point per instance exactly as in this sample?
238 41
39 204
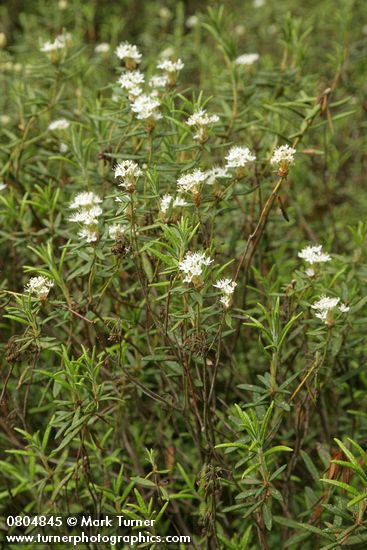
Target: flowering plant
183 269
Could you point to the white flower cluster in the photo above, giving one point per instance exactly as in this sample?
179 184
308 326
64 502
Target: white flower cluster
226 286
247 59
325 307
129 53
146 106
117 231
215 173
143 104
128 171
39 286
238 157
192 182
314 254
192 21
201 120
88 212
60 124
131 81
158 81
283 155
104 47
171 68
192 266
55 50
85 199
167 201
58 44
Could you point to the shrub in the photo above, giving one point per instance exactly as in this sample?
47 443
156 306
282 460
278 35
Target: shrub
183 269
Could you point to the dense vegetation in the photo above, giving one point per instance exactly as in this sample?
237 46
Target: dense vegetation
183 267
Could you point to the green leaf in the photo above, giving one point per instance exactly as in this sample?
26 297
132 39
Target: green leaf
341 485
278 449
143 481
267 515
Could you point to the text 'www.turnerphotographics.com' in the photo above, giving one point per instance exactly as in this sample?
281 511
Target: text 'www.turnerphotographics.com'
85 529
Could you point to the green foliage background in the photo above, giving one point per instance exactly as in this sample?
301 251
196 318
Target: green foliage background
130 391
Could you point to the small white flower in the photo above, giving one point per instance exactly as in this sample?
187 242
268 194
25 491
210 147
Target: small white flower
326 302
85 199
90 235
129 171
60 124
247 59
2 186
63 148
132 81
226 300
201 118
57 44
314 254
193 264
158 81
325 306
284 154
179 202
104 47
310 272
129 53
117 231
66 38
165 13
40 286
87 217
226 286
165 203
146 106
191 182
171 66
215 173
238 157
192 21
167 52
240 30
4 120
